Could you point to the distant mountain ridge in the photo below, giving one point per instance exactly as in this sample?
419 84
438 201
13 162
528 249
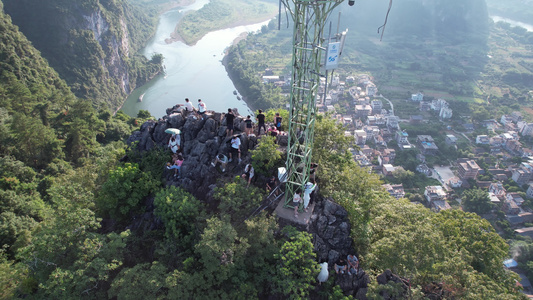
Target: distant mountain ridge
92 44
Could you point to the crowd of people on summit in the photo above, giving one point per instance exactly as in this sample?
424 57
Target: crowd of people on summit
223 159
302 195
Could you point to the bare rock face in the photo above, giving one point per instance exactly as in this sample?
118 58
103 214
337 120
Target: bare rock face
388 277
331 231
355 285
201 140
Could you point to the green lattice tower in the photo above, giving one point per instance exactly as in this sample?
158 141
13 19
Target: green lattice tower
310 17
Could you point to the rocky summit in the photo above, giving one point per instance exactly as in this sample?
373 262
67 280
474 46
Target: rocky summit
202 140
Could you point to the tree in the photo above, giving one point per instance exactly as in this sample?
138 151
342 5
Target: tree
83 126
266 155
35 143
179 211
342 179
297 268
475 238
476 200
12 276
260 261
410 248
142 281
98 257
237 200
124 191
212 273
403 176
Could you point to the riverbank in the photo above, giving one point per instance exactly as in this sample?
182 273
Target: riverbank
176 37
233 78
218 15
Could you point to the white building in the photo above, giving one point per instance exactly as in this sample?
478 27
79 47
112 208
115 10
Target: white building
392 122
445 113
360 137
435 192
371 89
417 97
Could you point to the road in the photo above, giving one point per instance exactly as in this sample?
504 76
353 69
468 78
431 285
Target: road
390 103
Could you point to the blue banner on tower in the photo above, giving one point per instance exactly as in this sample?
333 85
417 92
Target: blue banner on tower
333 55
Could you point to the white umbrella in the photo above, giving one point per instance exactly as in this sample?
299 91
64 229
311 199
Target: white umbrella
173 131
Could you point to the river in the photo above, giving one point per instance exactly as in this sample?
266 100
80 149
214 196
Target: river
513 23
194 72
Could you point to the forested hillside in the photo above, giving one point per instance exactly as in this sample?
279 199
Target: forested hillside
92 44
50 159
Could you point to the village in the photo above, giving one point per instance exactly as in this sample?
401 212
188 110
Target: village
499 162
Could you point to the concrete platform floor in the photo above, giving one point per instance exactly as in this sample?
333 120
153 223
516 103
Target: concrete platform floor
288 213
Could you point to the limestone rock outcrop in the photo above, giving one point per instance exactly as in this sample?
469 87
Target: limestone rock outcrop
331 232
201 141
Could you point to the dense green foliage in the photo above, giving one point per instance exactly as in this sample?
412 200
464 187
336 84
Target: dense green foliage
178 210
237 200
122 194
298 267
266 156
476 200
454 247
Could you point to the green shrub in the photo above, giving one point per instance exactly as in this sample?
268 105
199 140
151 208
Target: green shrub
124 191
266 155
178 210
237 200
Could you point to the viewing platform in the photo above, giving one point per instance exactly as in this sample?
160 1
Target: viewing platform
287 213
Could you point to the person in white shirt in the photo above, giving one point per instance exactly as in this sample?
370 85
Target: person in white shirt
222 159
235 148
202 108
308 189
188 105
248 173
174 143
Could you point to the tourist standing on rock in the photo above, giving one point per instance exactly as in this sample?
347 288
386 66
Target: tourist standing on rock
222 159
235 148
261 123
248 125
202 108
277 121
230 117
308 189
188 105
248 173
296 201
